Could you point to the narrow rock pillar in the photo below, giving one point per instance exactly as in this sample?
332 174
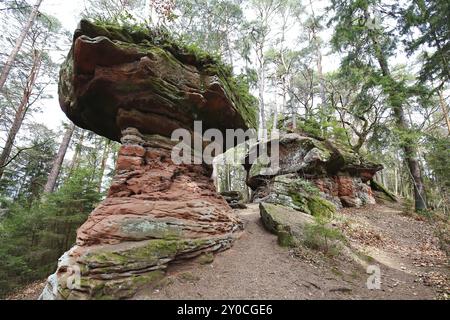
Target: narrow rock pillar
156 212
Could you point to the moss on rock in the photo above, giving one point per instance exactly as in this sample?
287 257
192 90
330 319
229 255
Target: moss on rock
308 156
293 191
119 288
206 258
119 271
380 188
147 254
320 207
285 238
288 224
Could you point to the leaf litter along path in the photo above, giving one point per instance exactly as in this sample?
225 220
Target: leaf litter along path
412 265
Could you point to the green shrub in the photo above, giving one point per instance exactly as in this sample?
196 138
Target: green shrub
318 236
34 237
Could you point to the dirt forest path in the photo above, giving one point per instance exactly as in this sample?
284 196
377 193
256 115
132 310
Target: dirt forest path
412 266
406 250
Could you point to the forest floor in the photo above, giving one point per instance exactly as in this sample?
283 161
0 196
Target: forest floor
405 249
256 267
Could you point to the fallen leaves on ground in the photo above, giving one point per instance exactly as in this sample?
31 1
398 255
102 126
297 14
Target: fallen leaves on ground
30 292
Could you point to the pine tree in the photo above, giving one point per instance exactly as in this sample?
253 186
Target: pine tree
360 35
426 24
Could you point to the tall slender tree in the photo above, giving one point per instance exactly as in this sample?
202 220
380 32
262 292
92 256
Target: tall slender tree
105 155
360 34
12 57
260 31
57 162
21 111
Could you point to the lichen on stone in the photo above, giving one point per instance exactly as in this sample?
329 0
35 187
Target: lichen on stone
141 228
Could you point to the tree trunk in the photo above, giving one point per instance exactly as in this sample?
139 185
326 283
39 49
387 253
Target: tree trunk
395 180
319 63
410 154
56 167
275 115
214 177
408 146
294 116
103 163
323 96
12 57
420 200
444 108
77 153
262 134
229 178
283 105
230 52
285 74
20 112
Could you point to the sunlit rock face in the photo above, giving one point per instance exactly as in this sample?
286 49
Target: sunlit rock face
134 87
310 168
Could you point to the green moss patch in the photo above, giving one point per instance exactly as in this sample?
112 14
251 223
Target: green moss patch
380 188
288 224
321 207
206 258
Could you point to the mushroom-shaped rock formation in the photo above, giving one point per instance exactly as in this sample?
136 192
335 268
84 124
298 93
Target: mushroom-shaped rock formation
309 168
136 87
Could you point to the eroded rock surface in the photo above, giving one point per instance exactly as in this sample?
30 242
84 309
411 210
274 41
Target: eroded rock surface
288 224
310 169
129 87
115 78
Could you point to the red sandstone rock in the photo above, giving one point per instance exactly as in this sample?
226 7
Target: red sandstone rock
340 174
345 186
348 201
132 151
181 197
156 212
114 79
128 163
123 86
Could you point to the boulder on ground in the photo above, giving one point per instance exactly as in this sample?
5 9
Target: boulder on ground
334 170
300 194
295 228
288 224
381 192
